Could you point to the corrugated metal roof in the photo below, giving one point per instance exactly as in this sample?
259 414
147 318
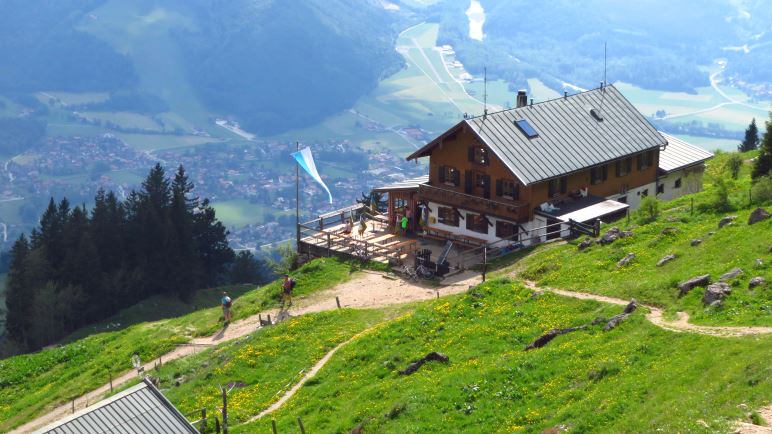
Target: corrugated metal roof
408 184
679 154
139 409
568 137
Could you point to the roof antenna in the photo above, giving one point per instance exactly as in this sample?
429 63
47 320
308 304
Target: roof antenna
603 83
485 92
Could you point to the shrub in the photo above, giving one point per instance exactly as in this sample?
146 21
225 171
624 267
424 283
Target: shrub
761 191
648 211
734 163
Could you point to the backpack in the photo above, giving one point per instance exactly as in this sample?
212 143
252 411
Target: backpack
228 302
291 286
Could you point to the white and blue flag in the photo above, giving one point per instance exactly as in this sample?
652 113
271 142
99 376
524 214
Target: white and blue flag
306 161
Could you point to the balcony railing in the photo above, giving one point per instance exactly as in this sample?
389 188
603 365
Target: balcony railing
509 210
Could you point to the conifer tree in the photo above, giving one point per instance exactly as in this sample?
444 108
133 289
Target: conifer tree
18 297
751 140
763 164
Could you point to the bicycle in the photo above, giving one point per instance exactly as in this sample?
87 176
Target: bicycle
421 271
360 251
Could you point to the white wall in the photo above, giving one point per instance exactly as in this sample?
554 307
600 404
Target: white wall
634 195
691 182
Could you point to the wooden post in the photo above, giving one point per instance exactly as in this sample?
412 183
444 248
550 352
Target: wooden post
692 208
73 405
273 426
329 246
300 423
160 360
485 261
337 301
216 425
111 381
203 420
269 319
224 410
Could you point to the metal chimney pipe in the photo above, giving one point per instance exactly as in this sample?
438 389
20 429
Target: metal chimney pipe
522 98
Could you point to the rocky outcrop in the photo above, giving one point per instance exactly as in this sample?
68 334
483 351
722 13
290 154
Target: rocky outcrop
585 244
625 234
690 284
617 319
758 214
665 259
626 260
610 236
431 357
731 274
696 242
716 292
726 220
668 231
756 281
550 335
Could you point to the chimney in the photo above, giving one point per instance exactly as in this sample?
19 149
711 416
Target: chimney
565 94
522 98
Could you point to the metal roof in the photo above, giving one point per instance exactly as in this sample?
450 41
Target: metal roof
139 409
568 137
679 154
408 184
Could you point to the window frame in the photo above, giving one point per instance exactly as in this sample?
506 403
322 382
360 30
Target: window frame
446 171
598 174
645 160
500 224
453 216
479 155
508 184
677 183
628 163
472 224
560 186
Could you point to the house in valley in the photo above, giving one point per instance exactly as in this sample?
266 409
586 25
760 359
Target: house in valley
531 173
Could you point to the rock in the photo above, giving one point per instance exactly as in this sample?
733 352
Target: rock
731 274
756 281
759 263
626 260
696 242
665 259
586 243
687 286
617 319
431 357
717 304
668 231
758 215
726 220
711 233
550 335
610 236
625 234
630 308
716 292
770 249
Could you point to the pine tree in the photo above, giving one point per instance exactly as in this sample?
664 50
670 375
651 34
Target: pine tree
18 297
751 140
763 165
212 242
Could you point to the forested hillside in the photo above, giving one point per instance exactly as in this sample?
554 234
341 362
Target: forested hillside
79 267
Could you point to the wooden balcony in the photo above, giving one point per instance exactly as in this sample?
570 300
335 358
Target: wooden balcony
510 210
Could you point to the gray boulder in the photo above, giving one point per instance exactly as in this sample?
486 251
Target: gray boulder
626 260
759 263
625 234
668 231
690 284
756 281
696 242
731 274
610 236
585 244
716 292
726 220
758 215
665 259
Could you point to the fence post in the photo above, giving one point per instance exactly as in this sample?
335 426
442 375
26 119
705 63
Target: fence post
329 246
224 410
485 261
337 301
273 426
73 405
216 425
111 381
203 420
691 212
300 423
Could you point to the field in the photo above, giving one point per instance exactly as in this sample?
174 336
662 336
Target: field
32 383
240 212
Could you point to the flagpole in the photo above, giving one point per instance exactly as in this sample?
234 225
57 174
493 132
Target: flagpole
297 199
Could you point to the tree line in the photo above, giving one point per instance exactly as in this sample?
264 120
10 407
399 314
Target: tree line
80 266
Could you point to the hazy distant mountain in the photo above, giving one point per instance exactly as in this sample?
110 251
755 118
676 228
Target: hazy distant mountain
271 64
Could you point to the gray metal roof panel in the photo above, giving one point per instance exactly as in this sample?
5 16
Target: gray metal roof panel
569 138
405 185
138 409
679 154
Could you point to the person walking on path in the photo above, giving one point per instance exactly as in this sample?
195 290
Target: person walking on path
287 286
226 302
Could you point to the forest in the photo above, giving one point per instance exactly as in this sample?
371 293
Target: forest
79 266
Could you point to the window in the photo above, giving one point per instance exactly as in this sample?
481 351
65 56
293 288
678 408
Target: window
645 160
526 128
622 199
479 155
477 223
507 189
624 167
447 216
645 193
505 229
660 188
598 174
557 185
677 183
449 176
481 180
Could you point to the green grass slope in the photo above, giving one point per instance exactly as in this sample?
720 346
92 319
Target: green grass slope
635 378
32 383
736 245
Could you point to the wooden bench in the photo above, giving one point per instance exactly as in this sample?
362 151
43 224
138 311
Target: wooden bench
471 240
404 246
382 239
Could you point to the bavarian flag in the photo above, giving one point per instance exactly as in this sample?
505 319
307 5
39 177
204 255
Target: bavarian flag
306 161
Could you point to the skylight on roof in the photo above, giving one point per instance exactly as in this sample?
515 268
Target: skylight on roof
526 128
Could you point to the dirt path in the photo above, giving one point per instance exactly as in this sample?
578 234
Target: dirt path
365 290
656 316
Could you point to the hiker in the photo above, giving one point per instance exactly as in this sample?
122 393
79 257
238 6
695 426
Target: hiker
287 286
348 227
403 224
362 226
227 302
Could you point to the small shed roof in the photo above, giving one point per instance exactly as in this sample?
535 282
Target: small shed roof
562 135
408 184
139 409
679 154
